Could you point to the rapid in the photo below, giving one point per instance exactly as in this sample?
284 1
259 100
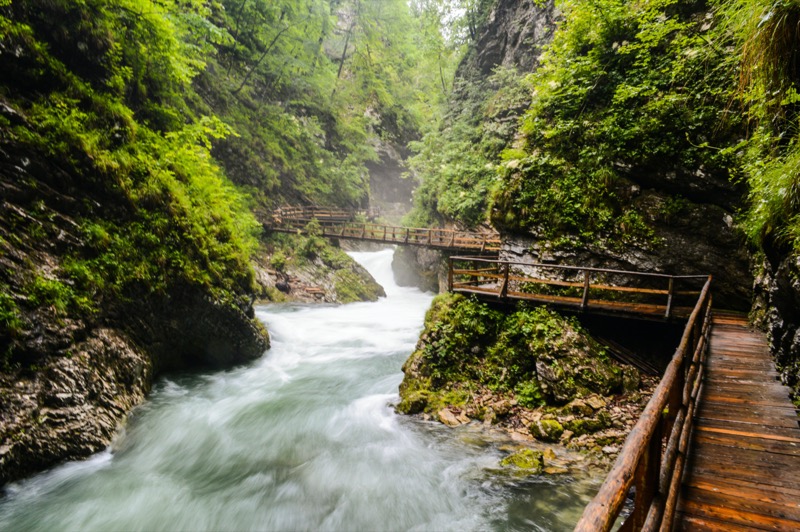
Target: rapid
305 438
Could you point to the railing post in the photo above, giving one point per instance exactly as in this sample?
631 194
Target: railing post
450 274
646 480
585 298
406 240
669 296
504 286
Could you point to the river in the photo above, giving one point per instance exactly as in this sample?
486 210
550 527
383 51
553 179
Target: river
303 439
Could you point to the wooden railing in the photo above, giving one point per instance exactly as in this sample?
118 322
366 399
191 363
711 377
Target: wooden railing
303 215
651 294
340 224
654 454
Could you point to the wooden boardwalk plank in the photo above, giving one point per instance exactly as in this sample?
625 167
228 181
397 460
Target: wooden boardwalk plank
744 465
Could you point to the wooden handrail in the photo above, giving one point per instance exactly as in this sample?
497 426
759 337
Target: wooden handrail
583 285
576 268
645 461
339 224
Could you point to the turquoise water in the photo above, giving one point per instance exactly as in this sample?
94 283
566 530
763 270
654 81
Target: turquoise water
303 439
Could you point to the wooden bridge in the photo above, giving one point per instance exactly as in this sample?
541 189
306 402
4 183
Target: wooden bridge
335 223
718 445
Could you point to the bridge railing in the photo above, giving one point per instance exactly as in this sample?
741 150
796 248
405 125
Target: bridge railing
654 454
303 215
650 293
335 224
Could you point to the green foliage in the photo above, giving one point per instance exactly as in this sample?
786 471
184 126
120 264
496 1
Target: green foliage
625 91
278 260
310 86
105 88
767 33
456 164
455 327
51 293
10 319
529 394
774 214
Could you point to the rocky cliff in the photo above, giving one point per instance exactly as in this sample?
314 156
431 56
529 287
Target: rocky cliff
72 368
777 309
615 165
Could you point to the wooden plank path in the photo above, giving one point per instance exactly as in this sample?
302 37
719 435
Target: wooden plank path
744 466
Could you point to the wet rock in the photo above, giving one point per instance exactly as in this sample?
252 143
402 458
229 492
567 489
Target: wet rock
422 268
72 410
528 460
548 430
502 408
596 403
449 418
589 425
630 379
581 407
413 403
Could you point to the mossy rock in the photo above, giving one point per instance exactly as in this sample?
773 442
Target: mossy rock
548 430
583 426
352 285
527 460
630 379
413 402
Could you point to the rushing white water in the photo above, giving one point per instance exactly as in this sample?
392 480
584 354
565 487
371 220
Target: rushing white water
303 439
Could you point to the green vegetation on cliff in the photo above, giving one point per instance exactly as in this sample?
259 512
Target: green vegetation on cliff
626 93
533 356
103 154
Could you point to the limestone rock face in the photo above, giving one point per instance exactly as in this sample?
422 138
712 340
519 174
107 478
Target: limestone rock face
777 309
71 407
423 268
512 36
704 242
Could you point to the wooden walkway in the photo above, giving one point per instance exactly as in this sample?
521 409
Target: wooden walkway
744 467
335 223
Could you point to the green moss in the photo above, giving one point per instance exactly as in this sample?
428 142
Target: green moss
413 402
527 459
583 426
548 430
532 354
351 287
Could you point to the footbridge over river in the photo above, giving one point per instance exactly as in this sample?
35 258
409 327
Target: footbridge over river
355 225
718 445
